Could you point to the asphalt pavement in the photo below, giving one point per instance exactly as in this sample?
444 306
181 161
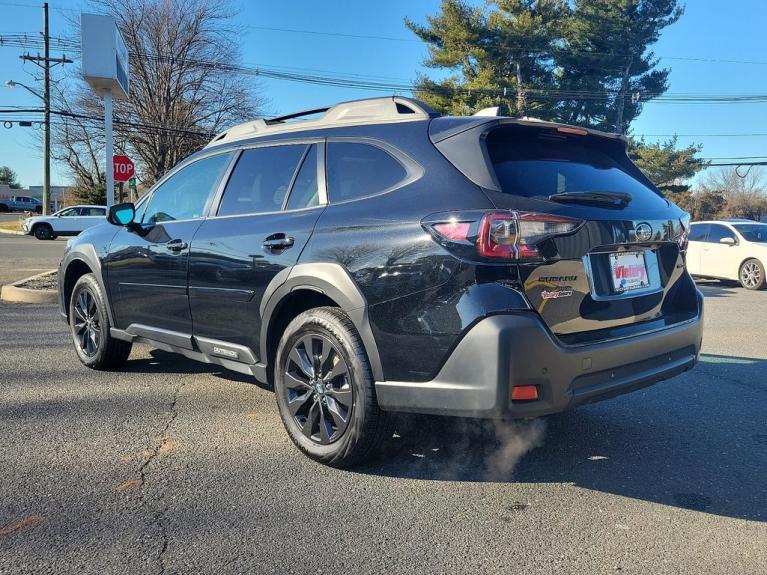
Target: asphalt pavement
24 256
171 466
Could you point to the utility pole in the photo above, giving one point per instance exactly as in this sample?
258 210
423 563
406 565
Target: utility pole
46 66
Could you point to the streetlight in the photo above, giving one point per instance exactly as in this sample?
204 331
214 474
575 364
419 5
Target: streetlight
47 152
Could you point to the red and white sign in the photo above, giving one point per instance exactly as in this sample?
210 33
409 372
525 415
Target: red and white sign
122 168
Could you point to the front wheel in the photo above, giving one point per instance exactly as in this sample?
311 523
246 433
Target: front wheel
752 275
89 324
43 232
325 390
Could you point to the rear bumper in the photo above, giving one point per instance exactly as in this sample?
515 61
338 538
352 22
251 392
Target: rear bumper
510 350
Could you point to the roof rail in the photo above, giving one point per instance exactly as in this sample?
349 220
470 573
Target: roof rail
368 111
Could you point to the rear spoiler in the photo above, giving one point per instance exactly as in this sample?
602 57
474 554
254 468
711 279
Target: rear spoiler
462 141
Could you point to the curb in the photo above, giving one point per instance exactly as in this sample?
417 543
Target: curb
11 232
14 293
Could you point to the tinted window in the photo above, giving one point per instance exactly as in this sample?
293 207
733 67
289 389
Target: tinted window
305 193
92 212
698 232
753 232
260 180
357 170
717 232
183 196
530 162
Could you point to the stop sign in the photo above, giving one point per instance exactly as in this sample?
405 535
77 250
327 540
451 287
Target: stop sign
122 168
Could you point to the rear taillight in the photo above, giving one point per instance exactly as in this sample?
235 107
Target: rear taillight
517 235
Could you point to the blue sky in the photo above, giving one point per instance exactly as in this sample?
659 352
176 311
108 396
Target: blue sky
694 48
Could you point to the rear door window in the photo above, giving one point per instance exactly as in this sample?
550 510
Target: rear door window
536 162
305 192
356 170
698 232
261 180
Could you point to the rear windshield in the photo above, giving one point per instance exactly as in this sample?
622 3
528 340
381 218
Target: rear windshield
535 162
753 232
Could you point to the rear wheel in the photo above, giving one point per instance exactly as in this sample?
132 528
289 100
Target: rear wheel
89 324
43 232
752 274
325 390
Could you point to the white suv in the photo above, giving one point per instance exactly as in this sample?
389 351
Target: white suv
66 222
730 250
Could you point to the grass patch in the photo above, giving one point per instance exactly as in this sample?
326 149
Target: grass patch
14 226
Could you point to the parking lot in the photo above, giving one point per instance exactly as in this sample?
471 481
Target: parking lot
177 467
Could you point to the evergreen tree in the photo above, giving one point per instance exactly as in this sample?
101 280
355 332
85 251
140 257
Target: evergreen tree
604 61
501 55
665 165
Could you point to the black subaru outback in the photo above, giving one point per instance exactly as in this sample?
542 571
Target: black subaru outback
377 258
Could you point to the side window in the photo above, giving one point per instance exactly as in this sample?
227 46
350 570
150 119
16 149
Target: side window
359 170
305 193
260 180
717 232
183 196
92 212
70 213
698 232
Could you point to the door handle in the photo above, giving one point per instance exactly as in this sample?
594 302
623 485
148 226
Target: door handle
278 242
176 245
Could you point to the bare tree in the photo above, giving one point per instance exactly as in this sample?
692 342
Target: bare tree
185 86
744 190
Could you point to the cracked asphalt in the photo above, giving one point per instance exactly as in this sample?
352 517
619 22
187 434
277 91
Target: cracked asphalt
176 467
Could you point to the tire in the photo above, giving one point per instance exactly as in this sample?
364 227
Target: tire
751 274
307 406
3 208
43 232
89 326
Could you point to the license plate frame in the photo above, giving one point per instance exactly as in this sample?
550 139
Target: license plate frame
628 272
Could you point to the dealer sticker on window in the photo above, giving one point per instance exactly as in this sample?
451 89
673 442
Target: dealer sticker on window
629 271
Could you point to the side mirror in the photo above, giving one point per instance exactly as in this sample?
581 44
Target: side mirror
122 214
727 241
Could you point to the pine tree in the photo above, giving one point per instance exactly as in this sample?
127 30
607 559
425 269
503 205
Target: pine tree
502 55
604 60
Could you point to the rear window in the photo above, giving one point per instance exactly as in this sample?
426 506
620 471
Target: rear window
533 162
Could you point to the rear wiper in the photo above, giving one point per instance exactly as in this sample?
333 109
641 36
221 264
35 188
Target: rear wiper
617 199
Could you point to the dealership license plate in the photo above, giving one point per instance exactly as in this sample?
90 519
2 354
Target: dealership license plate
629 271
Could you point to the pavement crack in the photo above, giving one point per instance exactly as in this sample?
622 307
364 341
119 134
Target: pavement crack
155 451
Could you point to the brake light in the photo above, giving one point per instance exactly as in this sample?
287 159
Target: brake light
516 235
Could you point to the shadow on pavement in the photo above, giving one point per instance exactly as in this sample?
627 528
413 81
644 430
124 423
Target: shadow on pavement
718 288
697 442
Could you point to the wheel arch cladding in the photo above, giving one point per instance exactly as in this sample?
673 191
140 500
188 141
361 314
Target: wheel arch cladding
85 260
320 282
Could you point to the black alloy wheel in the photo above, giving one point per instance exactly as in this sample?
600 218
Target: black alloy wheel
90 327
325 389
43 232
319 393
86 323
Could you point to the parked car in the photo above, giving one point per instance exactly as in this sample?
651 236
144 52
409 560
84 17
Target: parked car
21 204
381 258
66 222
729 250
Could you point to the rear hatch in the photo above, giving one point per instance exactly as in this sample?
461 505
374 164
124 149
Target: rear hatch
599 250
